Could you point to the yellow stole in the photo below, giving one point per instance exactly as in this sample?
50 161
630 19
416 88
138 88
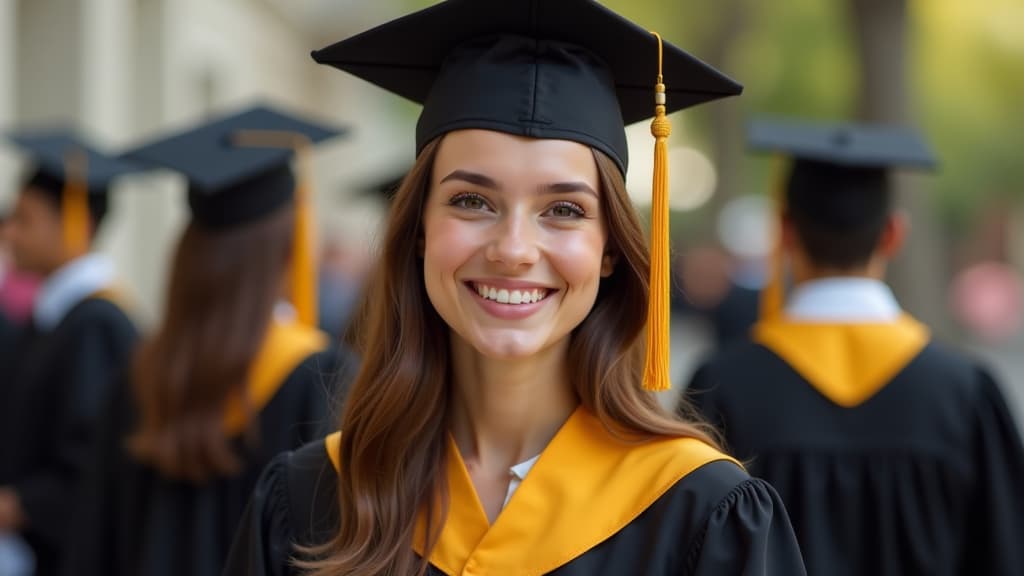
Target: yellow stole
586 486
847 363
284 347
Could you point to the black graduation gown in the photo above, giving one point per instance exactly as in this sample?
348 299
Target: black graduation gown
715 520
922 472
49 415
136 521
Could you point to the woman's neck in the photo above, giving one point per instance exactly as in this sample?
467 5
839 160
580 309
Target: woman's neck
506 411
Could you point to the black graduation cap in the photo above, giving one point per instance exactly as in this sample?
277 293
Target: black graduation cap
239 170
231 182
53 151
561 69
75 173
839 173
844 144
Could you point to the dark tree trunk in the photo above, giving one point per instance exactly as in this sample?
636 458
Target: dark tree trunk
918 275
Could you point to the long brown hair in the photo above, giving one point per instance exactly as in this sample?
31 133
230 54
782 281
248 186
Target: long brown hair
393 446
224 284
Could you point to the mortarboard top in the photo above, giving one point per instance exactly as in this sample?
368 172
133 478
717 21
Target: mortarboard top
230 184
50 152
839 171
843 144
560 69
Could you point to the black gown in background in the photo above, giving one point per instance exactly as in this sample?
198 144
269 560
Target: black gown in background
714 521
137 522
924 477
49 415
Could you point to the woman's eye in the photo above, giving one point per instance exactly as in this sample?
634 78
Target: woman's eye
566 210
469 202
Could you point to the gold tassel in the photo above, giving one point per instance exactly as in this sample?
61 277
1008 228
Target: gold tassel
75 204
656 368
302 284
770 305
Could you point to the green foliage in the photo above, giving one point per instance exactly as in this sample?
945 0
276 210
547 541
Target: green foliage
797 58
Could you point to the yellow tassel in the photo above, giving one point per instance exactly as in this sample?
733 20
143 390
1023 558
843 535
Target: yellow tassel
656 368
75 204
302 277
303 282
772 295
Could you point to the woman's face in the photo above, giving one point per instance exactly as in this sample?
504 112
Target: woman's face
514 240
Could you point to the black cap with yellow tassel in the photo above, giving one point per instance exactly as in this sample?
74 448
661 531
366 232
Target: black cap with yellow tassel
76 175
559 69
239 169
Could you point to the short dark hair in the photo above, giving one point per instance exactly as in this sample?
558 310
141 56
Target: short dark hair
52 188
838 212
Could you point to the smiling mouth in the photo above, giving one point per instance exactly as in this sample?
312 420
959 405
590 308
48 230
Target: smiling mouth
507 296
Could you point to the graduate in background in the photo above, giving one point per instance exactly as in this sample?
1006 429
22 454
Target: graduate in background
502 422
230 378
894 454
78 340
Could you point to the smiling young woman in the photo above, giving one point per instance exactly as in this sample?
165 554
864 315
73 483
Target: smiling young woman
498 424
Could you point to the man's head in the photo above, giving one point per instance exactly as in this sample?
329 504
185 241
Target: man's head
839 220
36 227
838 217
62 204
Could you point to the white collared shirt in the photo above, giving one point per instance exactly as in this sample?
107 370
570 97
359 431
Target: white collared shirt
69 285
843 299
517 474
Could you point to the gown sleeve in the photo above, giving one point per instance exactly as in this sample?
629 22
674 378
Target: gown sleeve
747 533
94 547
46 494
263 541
997 510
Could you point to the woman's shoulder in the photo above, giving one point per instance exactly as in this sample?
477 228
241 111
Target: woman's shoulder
298 491
705 474
732 523
293 505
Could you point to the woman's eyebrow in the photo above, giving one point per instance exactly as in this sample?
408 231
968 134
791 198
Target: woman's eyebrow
474 178
568 188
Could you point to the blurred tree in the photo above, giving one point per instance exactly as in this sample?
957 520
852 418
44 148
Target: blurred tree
880 28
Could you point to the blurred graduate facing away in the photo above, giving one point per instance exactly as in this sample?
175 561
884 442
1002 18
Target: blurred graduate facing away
503 420
77 340
227 380
894 454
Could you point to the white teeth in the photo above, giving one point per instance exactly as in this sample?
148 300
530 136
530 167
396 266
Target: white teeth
505 296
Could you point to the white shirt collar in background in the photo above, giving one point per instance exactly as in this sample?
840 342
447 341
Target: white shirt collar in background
845 299
69 285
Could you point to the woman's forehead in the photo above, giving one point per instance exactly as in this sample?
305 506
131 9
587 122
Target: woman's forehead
513 158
